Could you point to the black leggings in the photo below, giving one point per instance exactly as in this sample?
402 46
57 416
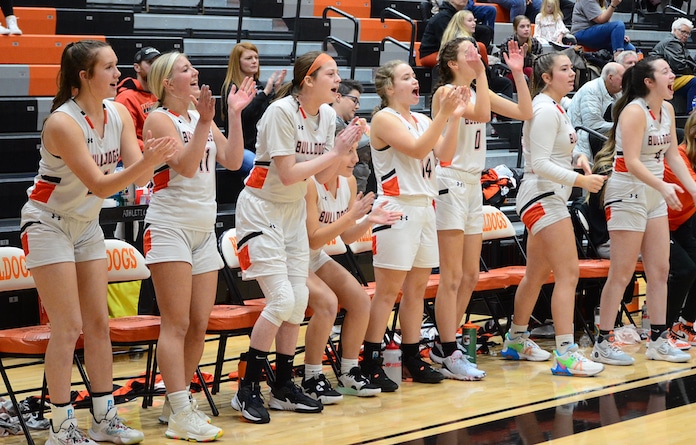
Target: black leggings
681 287
6 6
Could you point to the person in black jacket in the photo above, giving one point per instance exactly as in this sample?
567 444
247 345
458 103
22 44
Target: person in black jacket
244 62
673 50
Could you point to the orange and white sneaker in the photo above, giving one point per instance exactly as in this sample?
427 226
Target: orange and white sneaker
684 331
673 340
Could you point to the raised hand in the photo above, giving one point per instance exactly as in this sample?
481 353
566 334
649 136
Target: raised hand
514 58
452 98
465 98
473 58
240 97
160 150
205 104
275 81
348 137
362 205
380 215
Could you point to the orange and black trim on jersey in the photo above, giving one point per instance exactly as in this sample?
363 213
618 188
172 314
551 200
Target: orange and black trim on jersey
243 250
44 188
258 174
161 178
390 184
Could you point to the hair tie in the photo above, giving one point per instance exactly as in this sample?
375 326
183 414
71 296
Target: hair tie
318 62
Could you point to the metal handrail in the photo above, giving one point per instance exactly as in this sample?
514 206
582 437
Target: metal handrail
239 20
399 15
356 31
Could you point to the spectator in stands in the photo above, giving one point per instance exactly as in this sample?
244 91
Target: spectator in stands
522 28
459 202
244 62
673 49
180 243
542 203
529 8
81 142
593 27
347 103
135 94
406 147
549 25
681 288
295 141
461 25
434 30
627 58
591 107
636 200
10 19
333 209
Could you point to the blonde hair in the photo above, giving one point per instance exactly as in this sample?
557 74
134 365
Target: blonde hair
456 28
690 139
556 14
384 78
160 70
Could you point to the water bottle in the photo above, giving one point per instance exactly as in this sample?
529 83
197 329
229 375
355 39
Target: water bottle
392 362
596 320
645 318
469 337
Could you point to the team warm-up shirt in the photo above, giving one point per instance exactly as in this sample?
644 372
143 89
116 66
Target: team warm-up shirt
286 129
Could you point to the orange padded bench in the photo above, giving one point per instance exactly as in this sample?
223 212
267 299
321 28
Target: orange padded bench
36 20
43 80
356 8
37 49
502 16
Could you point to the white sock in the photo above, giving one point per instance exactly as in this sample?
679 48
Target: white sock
517 330
563 342
179 400
311 371
347 364
101 405
60 414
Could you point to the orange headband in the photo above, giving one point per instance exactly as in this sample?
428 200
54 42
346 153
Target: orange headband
318 62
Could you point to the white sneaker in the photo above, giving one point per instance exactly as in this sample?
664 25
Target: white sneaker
574 363
353 383
607 351
523 348
112 429
188 425
457 367
4 31
437 355
662 349
12 27
167 411
68 434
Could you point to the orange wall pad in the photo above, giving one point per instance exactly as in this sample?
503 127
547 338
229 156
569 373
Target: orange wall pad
43 80
36 20
502 16
37 49
356 8
373 30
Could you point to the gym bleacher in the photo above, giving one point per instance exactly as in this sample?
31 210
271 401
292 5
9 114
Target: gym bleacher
361 34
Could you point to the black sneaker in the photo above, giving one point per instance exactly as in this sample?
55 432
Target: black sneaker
320 389
421 371
290 397
249 402
378 378
355 384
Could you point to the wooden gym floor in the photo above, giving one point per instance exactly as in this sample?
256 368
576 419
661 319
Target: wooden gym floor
517 403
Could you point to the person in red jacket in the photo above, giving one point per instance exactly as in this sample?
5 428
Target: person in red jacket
135 93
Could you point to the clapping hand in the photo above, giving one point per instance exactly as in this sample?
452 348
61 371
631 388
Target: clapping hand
240 97
275 81
514 58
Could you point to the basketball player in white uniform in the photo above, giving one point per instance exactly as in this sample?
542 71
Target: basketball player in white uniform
179 241
81 143
548 141
636 200
295 141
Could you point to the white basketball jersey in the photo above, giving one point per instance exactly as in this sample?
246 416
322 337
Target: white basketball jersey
178 201
56 187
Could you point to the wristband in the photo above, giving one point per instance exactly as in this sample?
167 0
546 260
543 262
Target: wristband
612 6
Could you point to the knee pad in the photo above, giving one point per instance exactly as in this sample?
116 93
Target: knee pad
280 300
301 292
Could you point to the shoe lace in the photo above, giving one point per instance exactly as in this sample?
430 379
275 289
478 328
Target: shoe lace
74 435
117 423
